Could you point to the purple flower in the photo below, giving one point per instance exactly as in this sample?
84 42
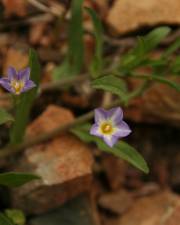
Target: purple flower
109 125
17 82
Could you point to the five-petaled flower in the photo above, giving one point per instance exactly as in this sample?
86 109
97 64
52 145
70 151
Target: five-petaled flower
109 125
17 82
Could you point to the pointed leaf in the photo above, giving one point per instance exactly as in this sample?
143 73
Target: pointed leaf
5 116
168 82
121 149
97 62
138 55
13 179
112 84
4 220
76 48
16 215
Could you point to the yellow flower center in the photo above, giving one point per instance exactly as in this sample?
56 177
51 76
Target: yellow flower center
17 86
106 128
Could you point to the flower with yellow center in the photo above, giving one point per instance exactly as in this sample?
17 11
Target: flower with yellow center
109 125
17 82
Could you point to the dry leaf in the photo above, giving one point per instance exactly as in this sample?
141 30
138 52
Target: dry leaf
15 7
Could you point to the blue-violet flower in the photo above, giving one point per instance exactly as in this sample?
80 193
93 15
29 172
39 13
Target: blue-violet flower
17 82
109 125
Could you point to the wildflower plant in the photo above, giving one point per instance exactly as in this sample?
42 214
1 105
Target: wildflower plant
22 86
109 127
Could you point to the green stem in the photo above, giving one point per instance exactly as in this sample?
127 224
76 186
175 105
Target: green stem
11 150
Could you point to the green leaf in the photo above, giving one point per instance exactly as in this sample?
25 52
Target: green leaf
111 83
76 47
25 102
62 71
175 46
97 62
16 215
151 40
5 116
138 55
75 57
175 67
121 149
13 179
170 83
4 220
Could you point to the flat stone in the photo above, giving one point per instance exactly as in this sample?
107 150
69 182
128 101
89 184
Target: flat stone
64 165
158 209
78 211
157 105
116 202
129 15
119 167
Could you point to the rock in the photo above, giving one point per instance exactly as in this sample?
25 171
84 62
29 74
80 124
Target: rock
75 212
15 7
64 164
15 57
116 202
128 15
161 208
119 167
157 105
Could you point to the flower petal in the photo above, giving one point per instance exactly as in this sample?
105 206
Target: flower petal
24 74
100 114
110 140
6 84
115 114
122 130
12 74
95 130
28 85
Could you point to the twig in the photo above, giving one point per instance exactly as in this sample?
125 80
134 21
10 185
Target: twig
60 83
8 151
54 11
33 19
11 150
55 85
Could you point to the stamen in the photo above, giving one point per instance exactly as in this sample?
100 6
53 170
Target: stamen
17 86
106 128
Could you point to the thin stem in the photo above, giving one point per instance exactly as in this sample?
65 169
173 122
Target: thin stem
60 83
55 85
11 150
139 91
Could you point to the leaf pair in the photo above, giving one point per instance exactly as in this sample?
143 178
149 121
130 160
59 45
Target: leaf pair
138 56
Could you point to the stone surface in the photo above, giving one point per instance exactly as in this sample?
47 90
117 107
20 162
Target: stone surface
119 167
15 57
64 164
159 209
116 202
158 104
128 15
78 211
